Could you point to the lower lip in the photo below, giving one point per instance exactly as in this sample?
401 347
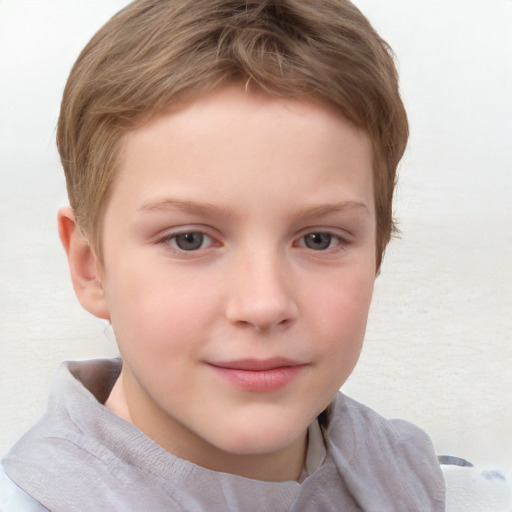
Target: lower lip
260 381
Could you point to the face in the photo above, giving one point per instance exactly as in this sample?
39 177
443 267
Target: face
238 268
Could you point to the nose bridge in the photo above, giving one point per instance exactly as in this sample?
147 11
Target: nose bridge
261 293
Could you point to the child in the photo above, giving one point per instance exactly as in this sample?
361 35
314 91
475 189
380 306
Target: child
230 167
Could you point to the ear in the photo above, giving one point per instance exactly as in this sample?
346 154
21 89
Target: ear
84 265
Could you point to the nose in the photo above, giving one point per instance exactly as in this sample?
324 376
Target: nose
261 294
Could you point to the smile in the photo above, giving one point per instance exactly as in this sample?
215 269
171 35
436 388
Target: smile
261 376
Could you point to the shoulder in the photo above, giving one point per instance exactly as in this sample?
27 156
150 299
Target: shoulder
395 456
347 413
368 428
14 499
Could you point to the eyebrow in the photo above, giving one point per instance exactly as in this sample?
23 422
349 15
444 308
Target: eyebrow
211 209
326 209
185 206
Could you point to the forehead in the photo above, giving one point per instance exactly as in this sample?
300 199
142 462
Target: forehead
231 139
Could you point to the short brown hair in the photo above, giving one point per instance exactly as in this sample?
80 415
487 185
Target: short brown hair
155 54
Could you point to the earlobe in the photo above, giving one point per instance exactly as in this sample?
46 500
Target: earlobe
84 265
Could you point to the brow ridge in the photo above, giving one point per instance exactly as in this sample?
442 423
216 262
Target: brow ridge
211 209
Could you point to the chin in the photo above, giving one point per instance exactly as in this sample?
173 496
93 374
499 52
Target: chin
259 440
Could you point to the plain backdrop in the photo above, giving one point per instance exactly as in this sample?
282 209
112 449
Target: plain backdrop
439 344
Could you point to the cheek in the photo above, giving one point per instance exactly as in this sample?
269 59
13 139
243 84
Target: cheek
153 309
347 298
343 313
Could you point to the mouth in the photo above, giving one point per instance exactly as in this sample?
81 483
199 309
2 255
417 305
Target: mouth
259 375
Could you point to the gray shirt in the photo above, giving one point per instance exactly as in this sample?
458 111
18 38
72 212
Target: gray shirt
82 457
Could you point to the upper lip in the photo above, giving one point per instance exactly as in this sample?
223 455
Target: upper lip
257 364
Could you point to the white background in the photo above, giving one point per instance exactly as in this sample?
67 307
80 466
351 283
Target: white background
439 344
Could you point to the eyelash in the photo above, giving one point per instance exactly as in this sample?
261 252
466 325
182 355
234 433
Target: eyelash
171 240
332 238
335 242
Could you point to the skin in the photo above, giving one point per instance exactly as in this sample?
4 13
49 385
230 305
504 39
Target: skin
249 177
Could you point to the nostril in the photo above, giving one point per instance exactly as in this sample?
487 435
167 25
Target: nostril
262 299
264 326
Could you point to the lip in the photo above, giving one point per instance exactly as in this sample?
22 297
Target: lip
259 375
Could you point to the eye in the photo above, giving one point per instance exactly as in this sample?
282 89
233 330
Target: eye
320 241
191 241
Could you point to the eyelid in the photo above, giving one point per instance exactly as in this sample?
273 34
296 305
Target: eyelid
334 237
341 236
173 240
335 232
170 234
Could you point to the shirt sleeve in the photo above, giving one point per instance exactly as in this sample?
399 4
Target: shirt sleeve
15 499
